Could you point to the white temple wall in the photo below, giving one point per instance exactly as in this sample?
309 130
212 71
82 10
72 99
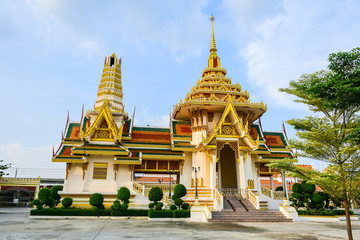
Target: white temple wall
208 169
123 177
99 185
74 181
185 177
248 166
254 159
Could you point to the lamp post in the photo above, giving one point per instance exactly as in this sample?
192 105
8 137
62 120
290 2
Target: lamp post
170 171
196 170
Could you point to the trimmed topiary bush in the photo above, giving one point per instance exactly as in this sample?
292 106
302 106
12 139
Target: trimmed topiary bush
124 206
116 206
45 197
178 202
159 206
155 195
185 206
67 202
55 195
151 205
36 202
180 191
44 193
279 188
173 207
96 200
301 196
124 195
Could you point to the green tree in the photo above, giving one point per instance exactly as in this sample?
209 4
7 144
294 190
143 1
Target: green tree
4 167
332 133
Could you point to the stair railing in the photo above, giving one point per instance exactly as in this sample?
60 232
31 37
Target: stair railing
266 192
234 192
219 199
254 198
139 188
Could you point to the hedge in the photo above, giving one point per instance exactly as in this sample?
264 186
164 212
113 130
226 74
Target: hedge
131 212
181 214
160 214
323 213
70 212
108 212
169 214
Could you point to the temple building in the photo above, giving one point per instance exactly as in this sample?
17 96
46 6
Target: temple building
214 142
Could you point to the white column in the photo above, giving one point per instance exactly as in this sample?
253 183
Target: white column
243 183
213 171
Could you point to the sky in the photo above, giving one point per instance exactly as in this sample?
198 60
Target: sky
52 54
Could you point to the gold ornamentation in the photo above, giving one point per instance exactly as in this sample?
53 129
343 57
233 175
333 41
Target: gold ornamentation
227 130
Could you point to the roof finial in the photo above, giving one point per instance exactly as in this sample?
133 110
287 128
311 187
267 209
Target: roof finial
213 45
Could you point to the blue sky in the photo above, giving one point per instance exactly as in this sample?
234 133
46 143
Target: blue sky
52 55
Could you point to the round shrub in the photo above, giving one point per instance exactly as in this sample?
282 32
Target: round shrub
125 206
126 201
317 198
180 190
159 206
96 200
279 189
39 207
36 202
49 202
296 195
123 194
308 188
296 188
173 207
67 202
155 194
116 205
44 193
151 205
174 197
178 202
185 206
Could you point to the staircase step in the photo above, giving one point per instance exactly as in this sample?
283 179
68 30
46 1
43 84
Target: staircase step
241 210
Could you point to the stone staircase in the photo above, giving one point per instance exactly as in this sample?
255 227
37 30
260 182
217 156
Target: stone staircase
241 210
204 197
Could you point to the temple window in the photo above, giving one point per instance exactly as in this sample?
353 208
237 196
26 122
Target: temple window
112 61
100 170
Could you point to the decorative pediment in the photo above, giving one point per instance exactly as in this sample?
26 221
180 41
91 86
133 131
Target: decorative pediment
104 127
230 126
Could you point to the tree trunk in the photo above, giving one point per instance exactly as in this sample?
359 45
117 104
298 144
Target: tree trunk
348 221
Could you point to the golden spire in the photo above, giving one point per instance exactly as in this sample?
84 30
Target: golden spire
213 45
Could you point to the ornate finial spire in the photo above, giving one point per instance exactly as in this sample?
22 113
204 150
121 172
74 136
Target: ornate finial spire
213 45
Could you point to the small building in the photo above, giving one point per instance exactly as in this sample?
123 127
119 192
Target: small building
18 191
214 142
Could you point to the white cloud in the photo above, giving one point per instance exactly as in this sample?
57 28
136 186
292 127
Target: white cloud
283 44
144 118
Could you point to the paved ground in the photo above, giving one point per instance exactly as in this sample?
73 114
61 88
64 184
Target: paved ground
15 224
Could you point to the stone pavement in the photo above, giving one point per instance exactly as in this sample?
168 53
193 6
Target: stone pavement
15 224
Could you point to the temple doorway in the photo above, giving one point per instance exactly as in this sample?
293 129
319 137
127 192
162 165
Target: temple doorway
228 168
